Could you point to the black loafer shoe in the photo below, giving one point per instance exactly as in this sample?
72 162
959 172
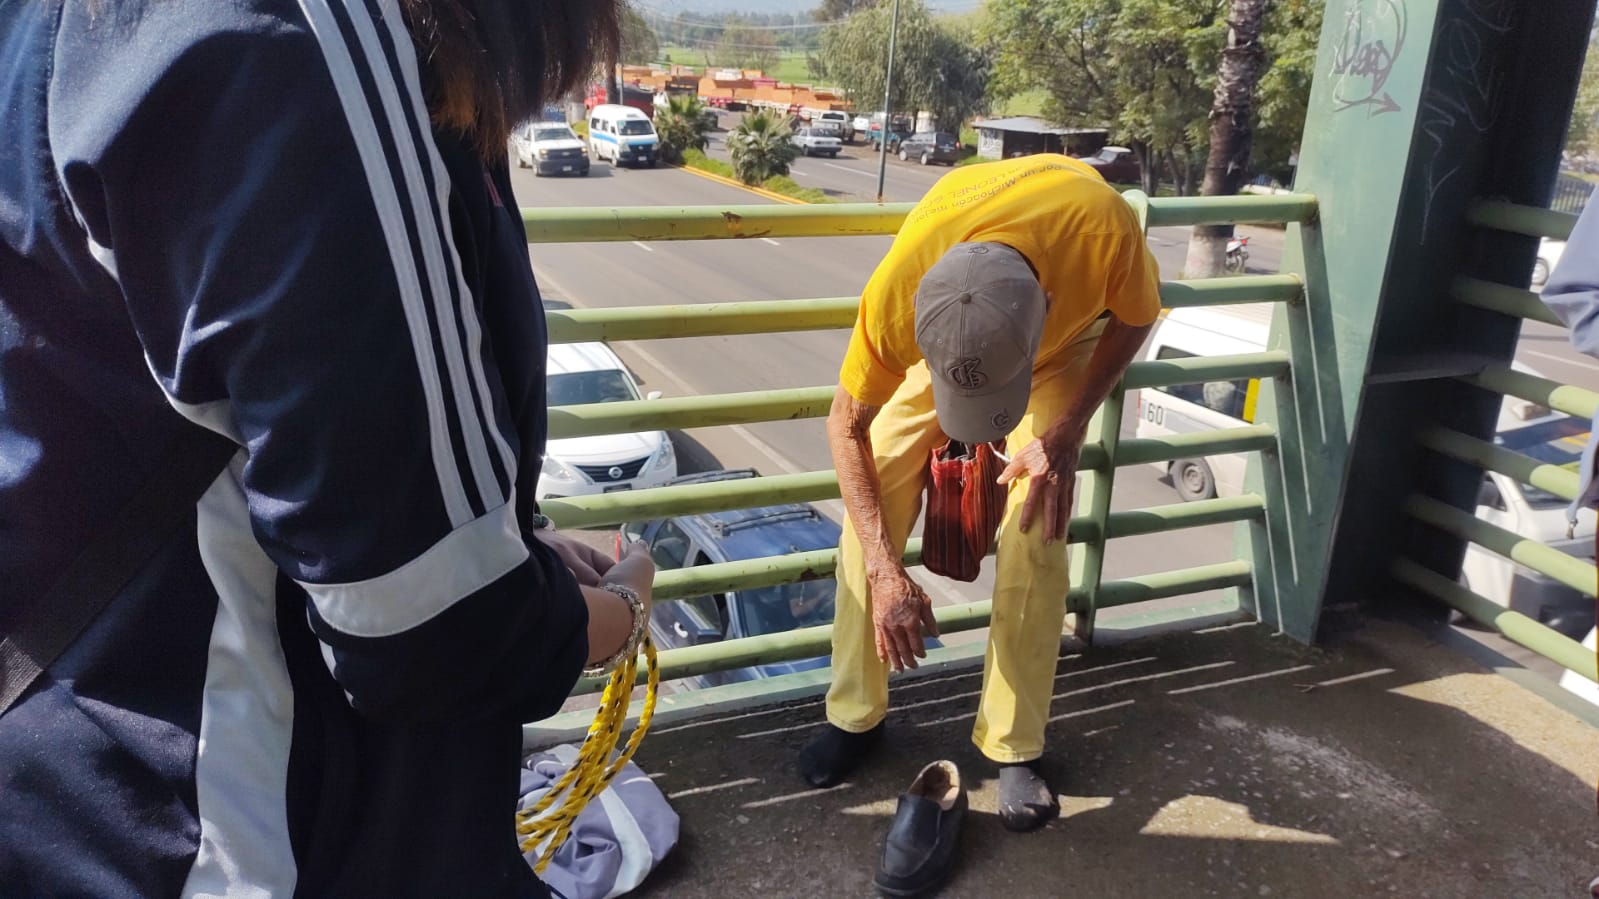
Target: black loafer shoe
920 850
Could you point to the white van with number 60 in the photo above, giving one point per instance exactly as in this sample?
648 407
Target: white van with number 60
1186 408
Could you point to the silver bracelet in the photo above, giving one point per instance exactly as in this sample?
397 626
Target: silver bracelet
635 637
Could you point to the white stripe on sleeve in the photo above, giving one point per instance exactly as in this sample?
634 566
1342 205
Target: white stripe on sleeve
364 130
441 188
442 270
465 561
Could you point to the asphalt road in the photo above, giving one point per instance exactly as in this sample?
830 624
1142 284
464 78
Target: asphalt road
853 176
629 274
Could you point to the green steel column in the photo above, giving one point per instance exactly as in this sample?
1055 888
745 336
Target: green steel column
1418 107
1088 561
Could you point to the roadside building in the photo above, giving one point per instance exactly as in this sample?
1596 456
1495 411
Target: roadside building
1026 135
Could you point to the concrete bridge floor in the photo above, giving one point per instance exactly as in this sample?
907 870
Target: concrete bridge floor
1225 762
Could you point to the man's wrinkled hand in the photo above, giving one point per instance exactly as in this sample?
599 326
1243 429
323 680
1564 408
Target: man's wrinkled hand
1052 477
901 614
587 563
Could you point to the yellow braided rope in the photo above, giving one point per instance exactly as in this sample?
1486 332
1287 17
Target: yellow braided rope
594 768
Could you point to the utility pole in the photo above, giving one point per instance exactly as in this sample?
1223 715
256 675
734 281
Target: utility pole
888 114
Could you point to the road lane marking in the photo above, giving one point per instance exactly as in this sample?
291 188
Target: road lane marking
845 168
794 171
781 461
1563 360
643 246
770 241
787 465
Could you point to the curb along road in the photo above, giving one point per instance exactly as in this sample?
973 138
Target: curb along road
760 192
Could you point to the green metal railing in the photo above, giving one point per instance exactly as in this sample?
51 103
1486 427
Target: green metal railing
1566 569
574 224
1103 452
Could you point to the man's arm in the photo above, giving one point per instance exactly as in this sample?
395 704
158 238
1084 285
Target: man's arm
1118 345
900 610
849 424
1051 461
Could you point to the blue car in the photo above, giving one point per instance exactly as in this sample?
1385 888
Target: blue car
732 536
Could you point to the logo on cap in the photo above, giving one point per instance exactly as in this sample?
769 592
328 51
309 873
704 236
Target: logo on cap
1001 420
966 374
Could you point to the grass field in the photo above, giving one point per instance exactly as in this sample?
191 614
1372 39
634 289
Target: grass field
1028 103
790 66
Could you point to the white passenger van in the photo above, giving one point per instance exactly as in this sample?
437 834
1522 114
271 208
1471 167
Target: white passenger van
1550 437
622 134
1185 408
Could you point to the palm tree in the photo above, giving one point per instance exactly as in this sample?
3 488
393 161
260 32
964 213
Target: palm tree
1243 61
762 146
680 126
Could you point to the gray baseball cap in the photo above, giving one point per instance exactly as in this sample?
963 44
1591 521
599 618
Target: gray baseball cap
979 317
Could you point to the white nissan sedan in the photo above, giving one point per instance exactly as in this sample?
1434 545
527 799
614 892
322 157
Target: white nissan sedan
582 373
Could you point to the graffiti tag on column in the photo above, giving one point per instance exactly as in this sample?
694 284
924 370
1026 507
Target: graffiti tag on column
1373 38
1465 93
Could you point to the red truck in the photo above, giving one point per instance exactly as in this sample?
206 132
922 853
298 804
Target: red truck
640 98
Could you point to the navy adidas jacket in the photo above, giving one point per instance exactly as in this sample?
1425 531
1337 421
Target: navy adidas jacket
234 214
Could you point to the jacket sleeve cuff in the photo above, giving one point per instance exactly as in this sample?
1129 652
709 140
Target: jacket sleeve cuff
465 561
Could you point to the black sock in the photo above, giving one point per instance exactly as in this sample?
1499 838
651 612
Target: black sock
832 754
1025 799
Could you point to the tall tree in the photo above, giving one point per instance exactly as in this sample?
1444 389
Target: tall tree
1291 32
952 84
1141 68
834 10
639 44
743 47
938 68
1583 138
1243 58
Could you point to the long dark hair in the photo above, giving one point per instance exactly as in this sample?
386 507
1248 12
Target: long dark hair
490 64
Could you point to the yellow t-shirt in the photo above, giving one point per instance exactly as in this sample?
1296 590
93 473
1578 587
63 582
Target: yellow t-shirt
1079 234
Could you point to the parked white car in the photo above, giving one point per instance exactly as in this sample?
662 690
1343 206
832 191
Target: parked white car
550 148
1578 684
1552 438
583 373
814 143
1549 250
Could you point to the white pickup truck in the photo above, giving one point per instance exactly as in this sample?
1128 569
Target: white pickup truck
833 123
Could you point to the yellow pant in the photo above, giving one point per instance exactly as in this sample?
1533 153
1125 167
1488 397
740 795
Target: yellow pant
1030 582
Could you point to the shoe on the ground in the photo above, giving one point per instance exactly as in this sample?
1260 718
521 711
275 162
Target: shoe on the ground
831 755
1025 800
920 850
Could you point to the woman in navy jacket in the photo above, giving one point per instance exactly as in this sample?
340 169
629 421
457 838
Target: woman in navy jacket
289 222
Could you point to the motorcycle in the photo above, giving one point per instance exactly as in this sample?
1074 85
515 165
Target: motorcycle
1237 255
